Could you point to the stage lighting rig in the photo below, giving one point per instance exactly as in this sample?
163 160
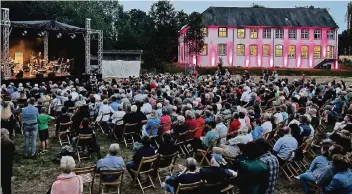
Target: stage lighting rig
59 35
24 33
41 34
73 36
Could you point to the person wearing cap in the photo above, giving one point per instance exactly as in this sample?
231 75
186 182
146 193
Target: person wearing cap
216 173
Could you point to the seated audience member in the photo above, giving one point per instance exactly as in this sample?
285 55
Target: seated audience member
341 182
145 151
342 138
257 129
234 125
152 126
63 117
167 146
117 117
199 132
187 176
271 161
267 125
307 130
284 146
278 116
104 115
180 127
69 103
67 182
112 161
165 121
211 138
221 128
253 175
190 122
131 116
296 133
314 119
216 173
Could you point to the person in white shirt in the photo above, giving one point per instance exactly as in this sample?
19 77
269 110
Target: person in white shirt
246 95
74 94
104 109
278 116
267 125
118 115
147 107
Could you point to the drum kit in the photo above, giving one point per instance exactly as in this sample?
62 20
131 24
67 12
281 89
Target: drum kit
36 64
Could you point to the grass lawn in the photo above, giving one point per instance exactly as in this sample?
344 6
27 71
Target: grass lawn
35 176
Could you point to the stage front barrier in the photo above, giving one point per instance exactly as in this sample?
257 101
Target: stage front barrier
120 69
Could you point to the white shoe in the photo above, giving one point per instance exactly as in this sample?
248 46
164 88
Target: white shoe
297 177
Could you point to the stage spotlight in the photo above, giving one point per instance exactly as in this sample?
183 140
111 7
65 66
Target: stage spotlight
41 34
73 36
24 33
59 35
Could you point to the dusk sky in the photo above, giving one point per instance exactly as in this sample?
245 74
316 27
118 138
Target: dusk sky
336 8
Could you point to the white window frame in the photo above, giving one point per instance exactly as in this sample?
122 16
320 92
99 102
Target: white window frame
305 34
224 54
317 34
292 34
330 34
279 33
267 33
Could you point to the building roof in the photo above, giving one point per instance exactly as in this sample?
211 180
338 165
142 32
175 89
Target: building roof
274 17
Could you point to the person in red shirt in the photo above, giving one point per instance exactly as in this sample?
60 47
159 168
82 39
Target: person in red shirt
165 121
190 122
199 132
234 126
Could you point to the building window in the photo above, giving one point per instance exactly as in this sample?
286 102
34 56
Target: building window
317 34
330 52
240 50
304 52
204 31
292 33
222 32
204 50
317 51
254 34
266 50
292 51
241 33
253 50
279 33
331 35
305 34
221 49
267 33
278 50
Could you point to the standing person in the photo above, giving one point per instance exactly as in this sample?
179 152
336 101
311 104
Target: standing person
43 128
30 127
7 118
7 154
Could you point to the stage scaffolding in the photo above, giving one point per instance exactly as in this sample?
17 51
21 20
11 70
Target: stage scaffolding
6 30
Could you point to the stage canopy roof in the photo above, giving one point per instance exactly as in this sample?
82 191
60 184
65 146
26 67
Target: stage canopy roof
47 25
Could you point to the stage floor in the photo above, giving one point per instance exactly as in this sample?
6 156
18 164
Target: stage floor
34 79
28 76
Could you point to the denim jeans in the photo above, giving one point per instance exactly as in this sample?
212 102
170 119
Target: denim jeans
168 187
131 165
30 132
305 178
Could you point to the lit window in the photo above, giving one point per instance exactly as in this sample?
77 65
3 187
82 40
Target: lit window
240 50
266 50
267 34
253 50
305 34
304 52
330 52
331 35
279 33
292 33
204 31
291 51
317 51
204 50
254 34
222 32
221 49
278 50
241 33
317 34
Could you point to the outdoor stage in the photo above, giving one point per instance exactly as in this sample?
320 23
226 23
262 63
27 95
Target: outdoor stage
33 79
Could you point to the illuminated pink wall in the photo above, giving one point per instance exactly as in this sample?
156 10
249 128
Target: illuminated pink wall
232 59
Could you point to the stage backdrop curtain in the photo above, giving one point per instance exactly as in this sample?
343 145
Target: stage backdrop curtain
120 69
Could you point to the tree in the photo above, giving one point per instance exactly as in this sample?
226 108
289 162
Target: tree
194 37
345 42
349 15
182 19
257 6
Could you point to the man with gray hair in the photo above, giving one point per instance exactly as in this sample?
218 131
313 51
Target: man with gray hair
112 161
221 129
147 107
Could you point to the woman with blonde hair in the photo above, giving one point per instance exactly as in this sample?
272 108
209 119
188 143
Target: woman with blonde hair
7 118
7 154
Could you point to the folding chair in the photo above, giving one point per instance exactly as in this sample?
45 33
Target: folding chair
64 130
128 132
180 141
189 140
71 109
83 141
168 162
229 160
117 128
216 187
57 107
118 174
99 124
88 175
189 187
315 188
145 167
204 154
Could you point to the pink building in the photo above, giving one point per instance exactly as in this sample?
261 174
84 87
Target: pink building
265 37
